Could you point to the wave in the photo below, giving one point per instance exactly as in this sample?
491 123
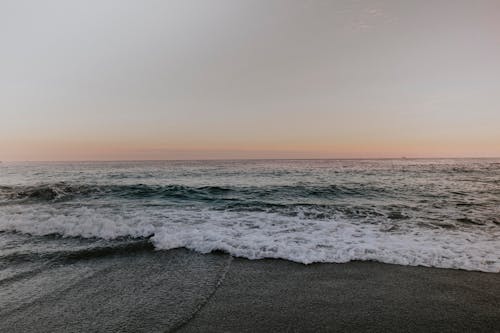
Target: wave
256 235
63 191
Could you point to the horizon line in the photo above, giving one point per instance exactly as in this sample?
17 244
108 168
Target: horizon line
255 159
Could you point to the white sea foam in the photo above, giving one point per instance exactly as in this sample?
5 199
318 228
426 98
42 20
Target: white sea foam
266 235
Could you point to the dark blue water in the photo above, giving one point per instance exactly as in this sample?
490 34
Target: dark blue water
442 213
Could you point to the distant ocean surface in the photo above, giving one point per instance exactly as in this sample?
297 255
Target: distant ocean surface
438 213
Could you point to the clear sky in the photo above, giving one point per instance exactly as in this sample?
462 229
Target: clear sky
186 79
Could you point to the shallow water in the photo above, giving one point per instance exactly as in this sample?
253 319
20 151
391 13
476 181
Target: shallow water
439 213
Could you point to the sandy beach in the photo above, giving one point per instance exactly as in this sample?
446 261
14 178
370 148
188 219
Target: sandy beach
164 291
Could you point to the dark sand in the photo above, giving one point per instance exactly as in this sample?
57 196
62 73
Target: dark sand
160 291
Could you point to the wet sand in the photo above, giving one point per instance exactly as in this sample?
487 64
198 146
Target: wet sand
179 290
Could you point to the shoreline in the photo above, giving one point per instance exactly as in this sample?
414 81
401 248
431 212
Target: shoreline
184 291
279 295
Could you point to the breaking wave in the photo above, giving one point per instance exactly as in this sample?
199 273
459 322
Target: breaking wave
257 235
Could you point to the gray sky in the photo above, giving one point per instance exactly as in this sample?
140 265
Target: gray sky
248 79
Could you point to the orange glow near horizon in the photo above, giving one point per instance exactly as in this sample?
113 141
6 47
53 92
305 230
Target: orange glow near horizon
107 152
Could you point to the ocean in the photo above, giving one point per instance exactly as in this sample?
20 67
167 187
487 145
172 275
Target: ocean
437 212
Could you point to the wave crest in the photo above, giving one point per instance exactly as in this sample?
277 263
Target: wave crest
257 235
64 191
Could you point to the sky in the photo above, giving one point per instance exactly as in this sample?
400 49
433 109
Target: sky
230 79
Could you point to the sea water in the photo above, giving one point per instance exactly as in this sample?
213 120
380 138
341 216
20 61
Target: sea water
438 213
